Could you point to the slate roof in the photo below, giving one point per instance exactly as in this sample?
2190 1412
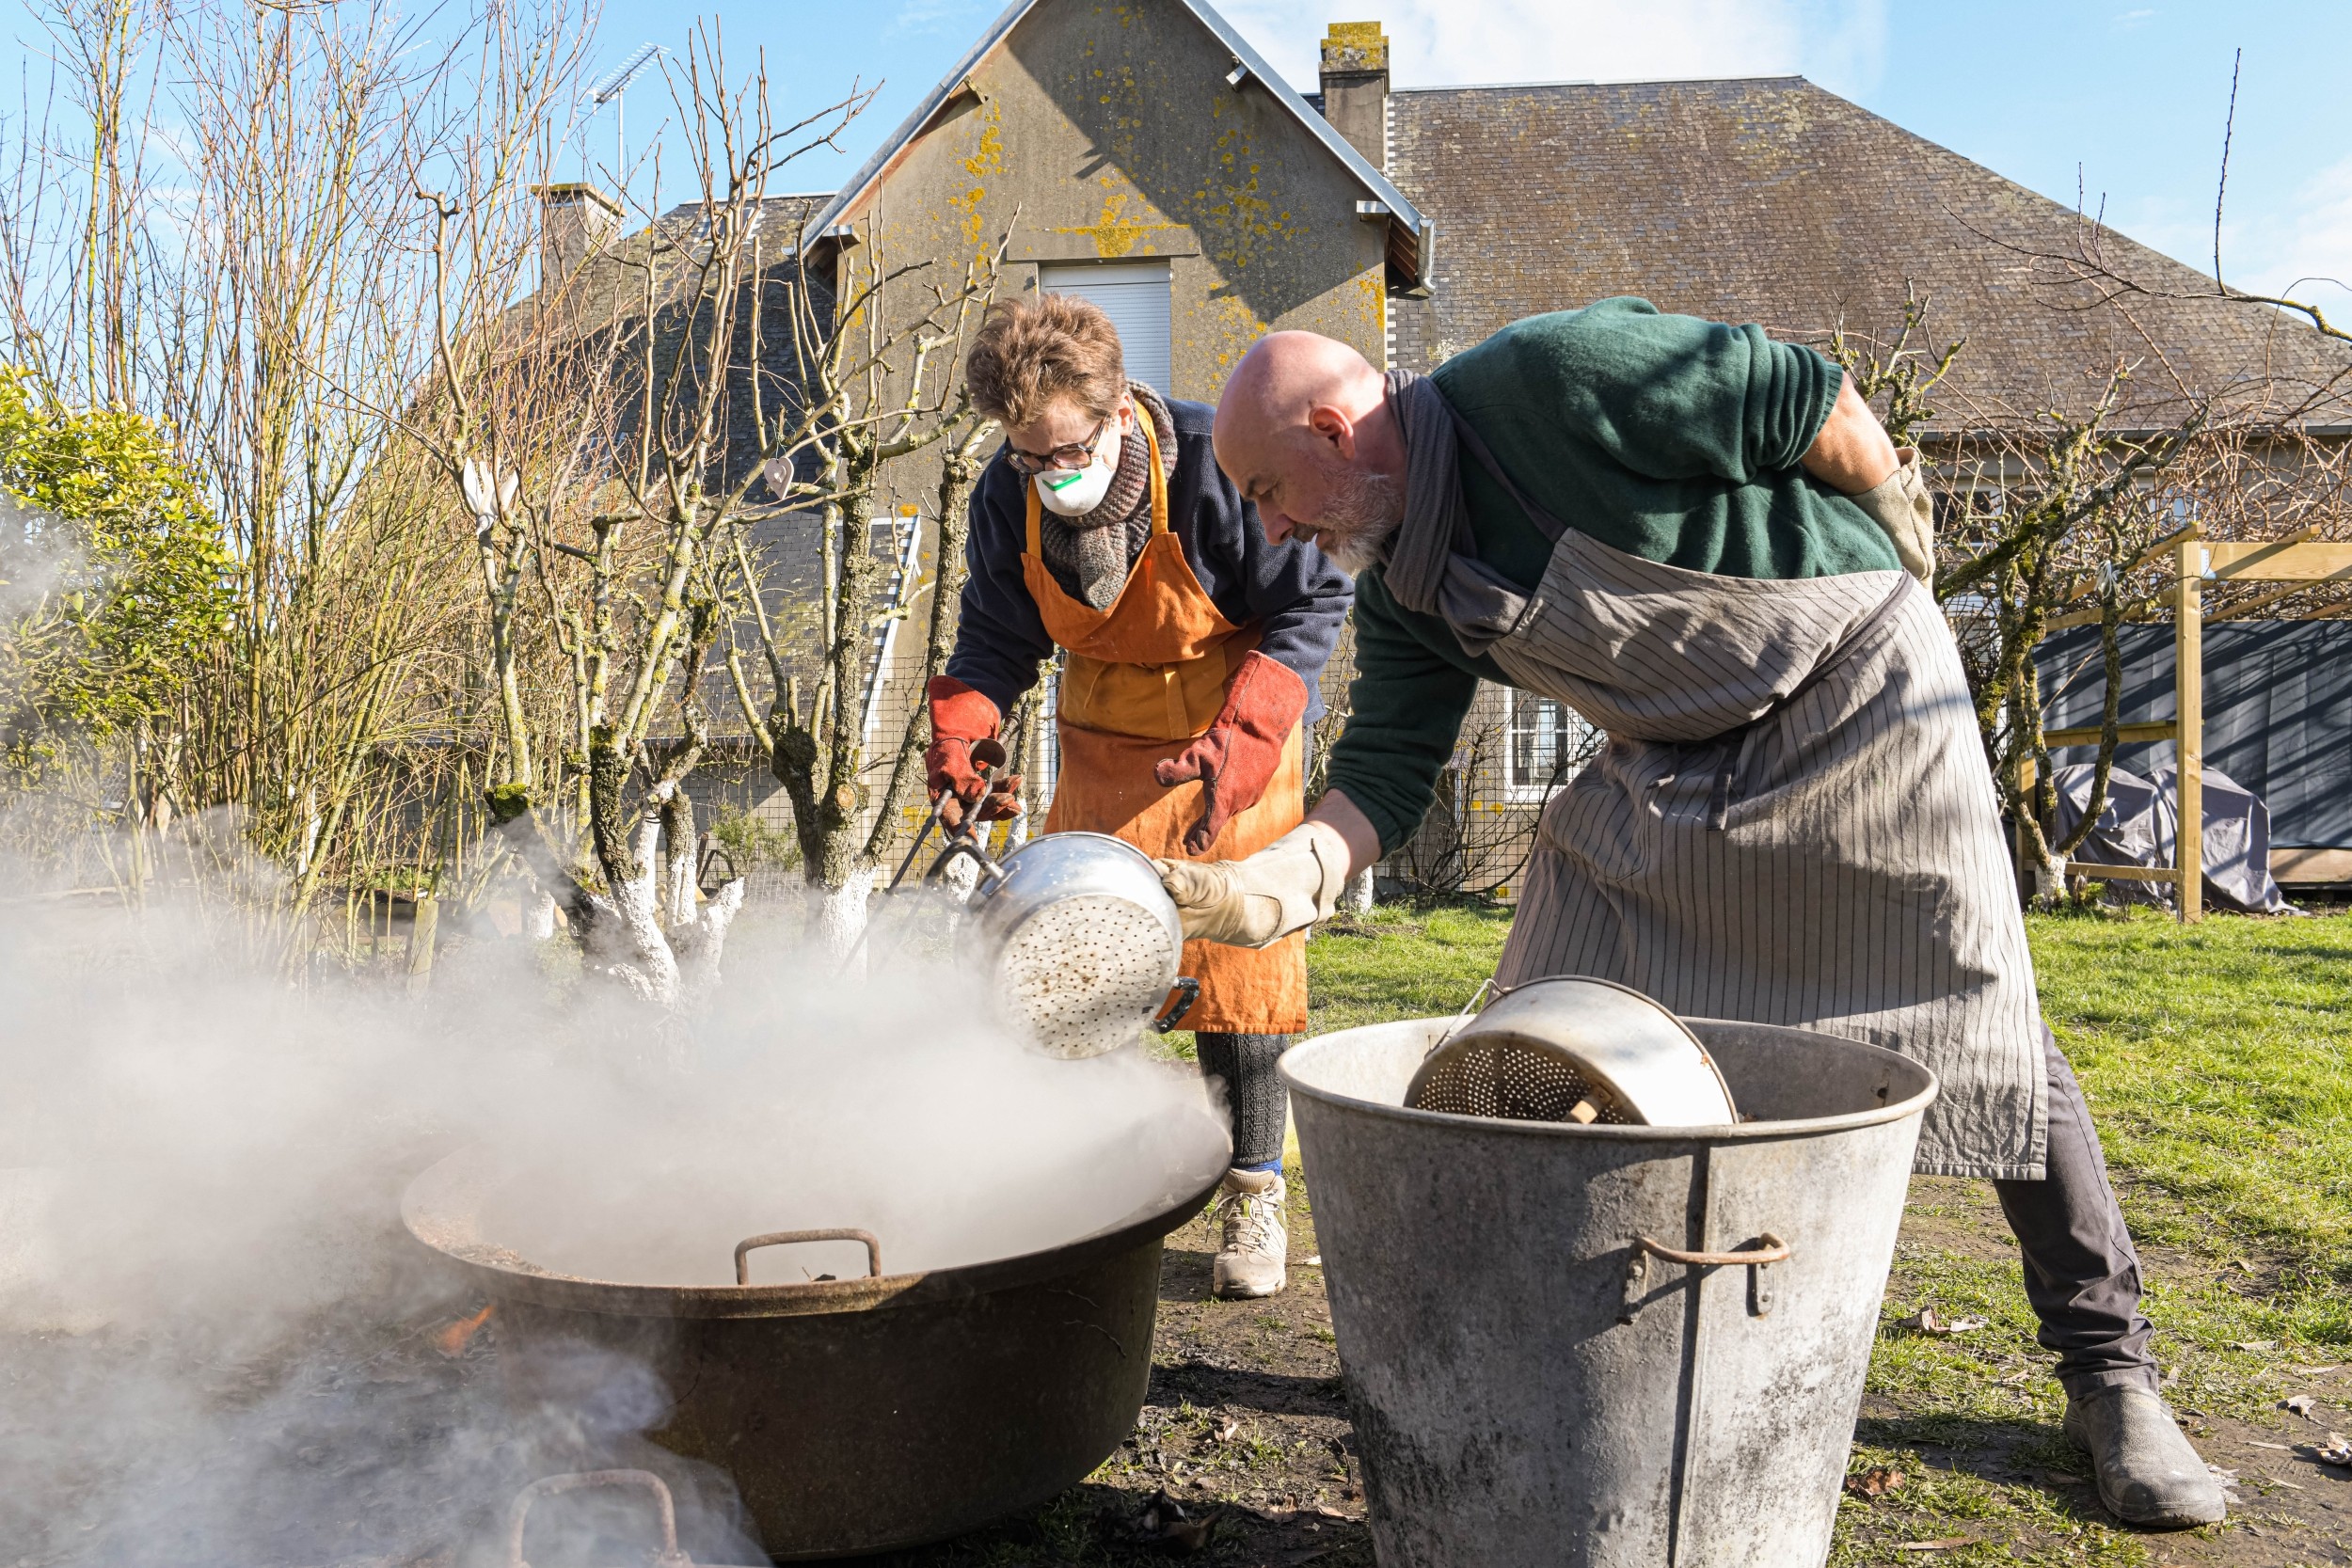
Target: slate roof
606 295
1773 201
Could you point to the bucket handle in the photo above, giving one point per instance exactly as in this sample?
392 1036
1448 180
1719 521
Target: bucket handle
1756 1259
785 1238
548 1486
1185 991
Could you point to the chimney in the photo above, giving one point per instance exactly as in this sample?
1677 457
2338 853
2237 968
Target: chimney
1356 87
575 222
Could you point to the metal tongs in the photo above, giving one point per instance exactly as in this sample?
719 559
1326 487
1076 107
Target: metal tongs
963 842
963 839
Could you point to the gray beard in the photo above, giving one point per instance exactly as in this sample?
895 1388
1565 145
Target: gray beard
1362 513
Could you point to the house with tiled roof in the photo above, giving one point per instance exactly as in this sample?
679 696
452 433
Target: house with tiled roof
1145 156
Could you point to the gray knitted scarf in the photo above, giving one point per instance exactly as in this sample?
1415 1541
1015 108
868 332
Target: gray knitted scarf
1432 563
1090 555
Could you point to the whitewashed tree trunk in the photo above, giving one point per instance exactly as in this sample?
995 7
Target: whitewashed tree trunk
539 915
840 921
700 938
310 825
1356 899
628 942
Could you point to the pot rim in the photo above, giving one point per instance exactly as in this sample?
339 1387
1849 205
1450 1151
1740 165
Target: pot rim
421 1215
1746 1131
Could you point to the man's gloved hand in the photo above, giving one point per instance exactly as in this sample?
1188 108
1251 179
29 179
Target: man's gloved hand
965 723
1901 506
1242 748
1288 885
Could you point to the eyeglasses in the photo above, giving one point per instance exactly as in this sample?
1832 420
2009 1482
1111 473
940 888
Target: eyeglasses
1077 454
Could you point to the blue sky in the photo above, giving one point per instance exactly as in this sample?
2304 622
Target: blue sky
2125 98
2121 99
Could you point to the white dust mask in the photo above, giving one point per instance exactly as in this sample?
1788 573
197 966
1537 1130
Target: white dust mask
1075 492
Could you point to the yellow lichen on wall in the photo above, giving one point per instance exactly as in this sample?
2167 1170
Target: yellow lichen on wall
1115 234
1234 219
987 159
1224 327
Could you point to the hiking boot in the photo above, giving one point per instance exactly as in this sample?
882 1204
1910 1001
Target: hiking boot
2148 1473
1254 1257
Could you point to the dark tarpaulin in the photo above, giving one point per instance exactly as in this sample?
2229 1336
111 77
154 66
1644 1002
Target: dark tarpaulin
2137 827
2278 713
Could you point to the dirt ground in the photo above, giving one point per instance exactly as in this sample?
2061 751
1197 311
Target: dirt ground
1246 1429
2287 1509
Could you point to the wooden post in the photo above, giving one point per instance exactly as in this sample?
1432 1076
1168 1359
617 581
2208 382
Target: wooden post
2189 697
2021 836
420 935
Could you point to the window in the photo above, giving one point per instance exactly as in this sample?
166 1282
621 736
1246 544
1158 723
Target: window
1546 742
1135 294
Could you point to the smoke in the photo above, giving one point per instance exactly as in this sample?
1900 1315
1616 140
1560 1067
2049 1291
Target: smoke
217 1344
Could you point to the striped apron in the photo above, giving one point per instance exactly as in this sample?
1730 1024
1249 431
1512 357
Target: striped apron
1792 822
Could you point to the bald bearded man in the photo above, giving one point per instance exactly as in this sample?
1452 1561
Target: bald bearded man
1704 542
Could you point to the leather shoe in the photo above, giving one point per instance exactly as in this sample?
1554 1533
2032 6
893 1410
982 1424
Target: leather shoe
2148 1473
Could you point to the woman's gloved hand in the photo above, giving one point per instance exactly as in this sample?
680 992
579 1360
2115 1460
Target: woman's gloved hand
1237 756
1288 885
964 722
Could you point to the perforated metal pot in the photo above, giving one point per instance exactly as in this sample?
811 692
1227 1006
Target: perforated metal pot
1082 941
1573 1048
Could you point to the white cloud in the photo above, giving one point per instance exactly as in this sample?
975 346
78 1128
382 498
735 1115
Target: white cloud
2303 248
1450 42
916 17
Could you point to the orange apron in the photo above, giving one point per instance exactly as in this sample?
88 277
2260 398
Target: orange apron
1142 680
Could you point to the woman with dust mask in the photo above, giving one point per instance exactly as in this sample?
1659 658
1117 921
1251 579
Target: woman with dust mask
1193 649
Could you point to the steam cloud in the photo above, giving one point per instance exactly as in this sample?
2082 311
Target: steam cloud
216 1343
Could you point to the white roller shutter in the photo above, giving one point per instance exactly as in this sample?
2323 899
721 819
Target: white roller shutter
1135 294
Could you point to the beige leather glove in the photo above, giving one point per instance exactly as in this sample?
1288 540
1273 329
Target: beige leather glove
1901 505
1288 885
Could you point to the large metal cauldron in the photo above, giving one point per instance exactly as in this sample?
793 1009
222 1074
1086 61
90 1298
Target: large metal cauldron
855 1416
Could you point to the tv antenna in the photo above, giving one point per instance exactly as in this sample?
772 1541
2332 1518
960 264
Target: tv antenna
609 88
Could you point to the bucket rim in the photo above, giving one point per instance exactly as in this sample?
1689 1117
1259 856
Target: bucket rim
1746 1131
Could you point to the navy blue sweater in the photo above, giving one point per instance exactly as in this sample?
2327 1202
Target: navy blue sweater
1297 595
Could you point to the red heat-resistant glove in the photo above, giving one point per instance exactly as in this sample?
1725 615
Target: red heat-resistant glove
963 720
1237 757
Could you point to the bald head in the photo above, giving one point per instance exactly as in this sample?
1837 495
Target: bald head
1304 431
1288 373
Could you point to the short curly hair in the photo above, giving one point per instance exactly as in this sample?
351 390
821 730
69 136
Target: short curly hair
1031 354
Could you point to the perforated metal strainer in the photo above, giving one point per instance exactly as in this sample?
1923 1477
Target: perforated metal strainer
1082 944
1575 1049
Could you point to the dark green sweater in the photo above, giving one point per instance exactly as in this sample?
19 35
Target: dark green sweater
1668 437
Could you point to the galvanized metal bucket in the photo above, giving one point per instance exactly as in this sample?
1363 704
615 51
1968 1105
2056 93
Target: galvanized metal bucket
1607 1346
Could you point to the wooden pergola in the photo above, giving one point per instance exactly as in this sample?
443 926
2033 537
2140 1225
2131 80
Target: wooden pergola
2293 562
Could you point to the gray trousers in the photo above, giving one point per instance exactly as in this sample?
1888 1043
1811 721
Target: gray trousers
2082 1275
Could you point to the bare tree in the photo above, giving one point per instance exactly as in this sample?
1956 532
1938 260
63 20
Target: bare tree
877 391
254 284
596 441
2052 518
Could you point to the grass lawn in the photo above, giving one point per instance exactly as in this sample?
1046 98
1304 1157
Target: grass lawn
2219 1062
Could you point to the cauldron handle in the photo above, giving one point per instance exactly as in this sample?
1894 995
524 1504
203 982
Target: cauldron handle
548 1486
781 1238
